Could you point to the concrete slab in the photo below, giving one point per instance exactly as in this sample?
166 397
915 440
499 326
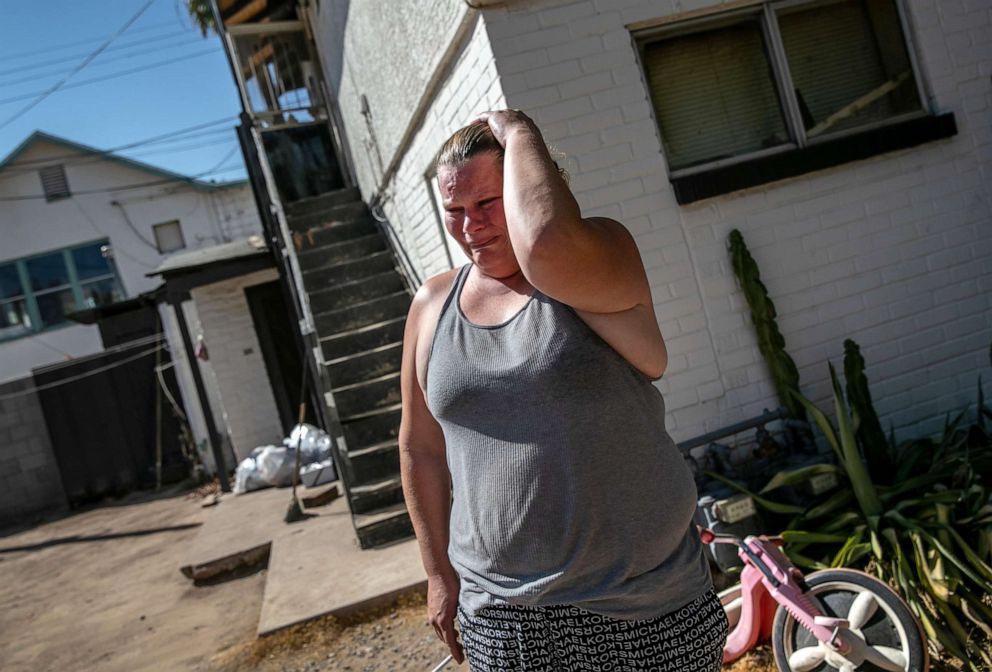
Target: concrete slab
238 531
316 568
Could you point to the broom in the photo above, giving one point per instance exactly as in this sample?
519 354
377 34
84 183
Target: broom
295 512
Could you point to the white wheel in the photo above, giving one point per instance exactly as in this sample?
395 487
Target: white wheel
884 632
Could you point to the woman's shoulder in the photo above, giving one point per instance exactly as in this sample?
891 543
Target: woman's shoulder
430 297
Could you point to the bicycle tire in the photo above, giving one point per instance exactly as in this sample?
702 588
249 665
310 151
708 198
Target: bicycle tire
892 624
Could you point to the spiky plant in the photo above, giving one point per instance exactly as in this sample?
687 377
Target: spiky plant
771 343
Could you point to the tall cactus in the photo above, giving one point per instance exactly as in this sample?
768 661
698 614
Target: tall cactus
785 376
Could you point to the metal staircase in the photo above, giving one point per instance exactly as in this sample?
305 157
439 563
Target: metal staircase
359 301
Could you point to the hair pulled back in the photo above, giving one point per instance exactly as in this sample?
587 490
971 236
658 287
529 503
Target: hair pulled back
475 139
466 143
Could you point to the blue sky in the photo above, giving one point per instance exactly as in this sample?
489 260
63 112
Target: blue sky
41 41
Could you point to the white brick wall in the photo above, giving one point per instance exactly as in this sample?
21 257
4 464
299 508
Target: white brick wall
236 367
894 252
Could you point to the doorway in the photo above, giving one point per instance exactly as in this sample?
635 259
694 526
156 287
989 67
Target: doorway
280 352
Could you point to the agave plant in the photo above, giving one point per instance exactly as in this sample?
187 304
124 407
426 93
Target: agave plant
924 524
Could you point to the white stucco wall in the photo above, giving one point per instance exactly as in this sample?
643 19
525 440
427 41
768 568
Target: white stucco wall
387 51
237 370
32 226
894 251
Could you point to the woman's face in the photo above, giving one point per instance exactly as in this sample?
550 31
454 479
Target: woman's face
472 197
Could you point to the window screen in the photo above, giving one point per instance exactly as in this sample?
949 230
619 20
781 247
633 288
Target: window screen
713 94
169 237
848 64
54 182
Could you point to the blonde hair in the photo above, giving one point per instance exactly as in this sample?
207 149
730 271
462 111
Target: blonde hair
474 140
466 143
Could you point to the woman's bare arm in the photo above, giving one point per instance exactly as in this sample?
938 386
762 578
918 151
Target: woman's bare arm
590 264
427 484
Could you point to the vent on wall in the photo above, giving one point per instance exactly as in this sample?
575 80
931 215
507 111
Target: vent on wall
54 182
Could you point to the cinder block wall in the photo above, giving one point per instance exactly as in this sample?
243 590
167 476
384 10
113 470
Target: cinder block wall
894 252
30 482
249 409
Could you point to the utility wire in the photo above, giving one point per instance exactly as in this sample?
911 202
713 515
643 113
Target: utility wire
104 61
125 45
72 379
91 40
92 80
178 180
55 87
188 148
137 143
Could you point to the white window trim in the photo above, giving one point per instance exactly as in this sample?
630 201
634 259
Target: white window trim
766 12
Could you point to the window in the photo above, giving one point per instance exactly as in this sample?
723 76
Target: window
778 89
54 183
169 237
38 292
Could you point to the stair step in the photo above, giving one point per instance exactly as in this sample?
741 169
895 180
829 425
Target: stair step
363 430
381 447
357 291
363 314
346 212
324 201
368 395
366 365
330 233
363 339
333 274
345 250
370 464
382 526
375 495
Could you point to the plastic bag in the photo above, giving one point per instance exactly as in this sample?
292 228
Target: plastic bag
315 443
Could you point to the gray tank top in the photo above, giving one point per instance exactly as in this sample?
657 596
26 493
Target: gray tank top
566 487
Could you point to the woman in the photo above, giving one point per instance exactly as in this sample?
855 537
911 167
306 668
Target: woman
552 509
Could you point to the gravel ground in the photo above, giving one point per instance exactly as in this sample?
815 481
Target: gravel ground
100 590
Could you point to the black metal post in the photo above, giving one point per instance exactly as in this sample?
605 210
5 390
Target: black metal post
201 393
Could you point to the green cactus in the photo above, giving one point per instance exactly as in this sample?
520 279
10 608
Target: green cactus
785 376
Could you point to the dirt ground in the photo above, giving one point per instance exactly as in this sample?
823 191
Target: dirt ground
100 590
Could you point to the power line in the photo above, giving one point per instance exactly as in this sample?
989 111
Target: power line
105 61
137 143
178 180
188 148
123 45
90 40
72 379
92 80
86 61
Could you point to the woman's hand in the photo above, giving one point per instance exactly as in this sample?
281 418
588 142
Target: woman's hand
505 122
442 603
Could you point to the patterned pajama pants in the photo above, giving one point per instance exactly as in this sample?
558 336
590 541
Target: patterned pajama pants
568 639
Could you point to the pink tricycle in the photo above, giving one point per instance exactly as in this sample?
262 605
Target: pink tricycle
833 619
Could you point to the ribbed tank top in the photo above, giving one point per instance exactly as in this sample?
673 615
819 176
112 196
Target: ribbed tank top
566 487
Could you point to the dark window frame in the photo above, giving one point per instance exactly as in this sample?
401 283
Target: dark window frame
800 155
